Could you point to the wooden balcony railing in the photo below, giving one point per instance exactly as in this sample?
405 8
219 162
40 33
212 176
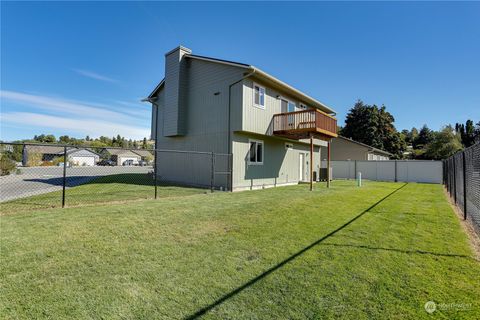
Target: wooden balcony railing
300 124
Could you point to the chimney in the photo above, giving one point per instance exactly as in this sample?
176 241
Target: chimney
175 85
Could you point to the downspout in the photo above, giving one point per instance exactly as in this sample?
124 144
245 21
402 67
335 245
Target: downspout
229 140
152 101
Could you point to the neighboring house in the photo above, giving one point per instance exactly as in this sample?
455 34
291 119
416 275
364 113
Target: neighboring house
82 157
34 155
145 155
347 149
120 156
271 129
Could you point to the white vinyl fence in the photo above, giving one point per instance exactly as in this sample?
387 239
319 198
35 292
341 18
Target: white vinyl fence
389 170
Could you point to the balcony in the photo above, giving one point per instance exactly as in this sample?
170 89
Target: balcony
303 124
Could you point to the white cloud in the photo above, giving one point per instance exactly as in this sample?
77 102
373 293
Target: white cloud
94 75
139 104
92 127
59 105
72 117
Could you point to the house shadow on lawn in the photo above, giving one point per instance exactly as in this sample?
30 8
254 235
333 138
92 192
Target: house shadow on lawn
238 290
139 179
124 178
88 190
69 181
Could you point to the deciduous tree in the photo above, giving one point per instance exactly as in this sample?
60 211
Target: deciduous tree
445 143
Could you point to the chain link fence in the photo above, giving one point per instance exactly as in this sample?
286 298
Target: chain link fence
462 180
39 176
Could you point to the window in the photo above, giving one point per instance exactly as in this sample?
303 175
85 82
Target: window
259 96
255 154
291 106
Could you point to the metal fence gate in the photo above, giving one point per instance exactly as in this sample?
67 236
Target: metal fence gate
462 180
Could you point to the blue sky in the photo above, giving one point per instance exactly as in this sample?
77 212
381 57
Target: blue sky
81 68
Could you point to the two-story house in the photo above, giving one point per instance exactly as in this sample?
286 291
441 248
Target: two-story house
272 130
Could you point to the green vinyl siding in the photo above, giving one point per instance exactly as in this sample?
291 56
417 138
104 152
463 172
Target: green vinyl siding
259 120
206 123
280 165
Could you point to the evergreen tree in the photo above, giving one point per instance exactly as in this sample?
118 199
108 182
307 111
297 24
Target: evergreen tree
425 136
372 125
466 132
476 133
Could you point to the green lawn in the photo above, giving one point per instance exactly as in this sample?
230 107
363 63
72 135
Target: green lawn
381 251
110 188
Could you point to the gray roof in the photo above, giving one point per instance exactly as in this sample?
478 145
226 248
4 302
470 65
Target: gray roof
259 73
238 64
44 149
57 150
75 150
121 152
365 145
142 152
157 88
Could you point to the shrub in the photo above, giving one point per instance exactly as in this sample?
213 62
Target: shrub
7 165
59 161
148 158
34 159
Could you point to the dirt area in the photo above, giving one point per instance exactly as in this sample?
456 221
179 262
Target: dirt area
467 226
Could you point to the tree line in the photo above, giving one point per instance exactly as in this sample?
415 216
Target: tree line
8 156
374 126
102 141
369 124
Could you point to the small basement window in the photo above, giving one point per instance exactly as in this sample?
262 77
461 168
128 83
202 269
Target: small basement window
255 154
259 96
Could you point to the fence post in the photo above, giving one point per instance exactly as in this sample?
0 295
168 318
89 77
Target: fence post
64 175
155 172
212 176
444 167
445 172
355 173
396 180
348 164
448 178
464 187
454 180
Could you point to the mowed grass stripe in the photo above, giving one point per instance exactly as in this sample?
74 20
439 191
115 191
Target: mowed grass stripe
173 257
